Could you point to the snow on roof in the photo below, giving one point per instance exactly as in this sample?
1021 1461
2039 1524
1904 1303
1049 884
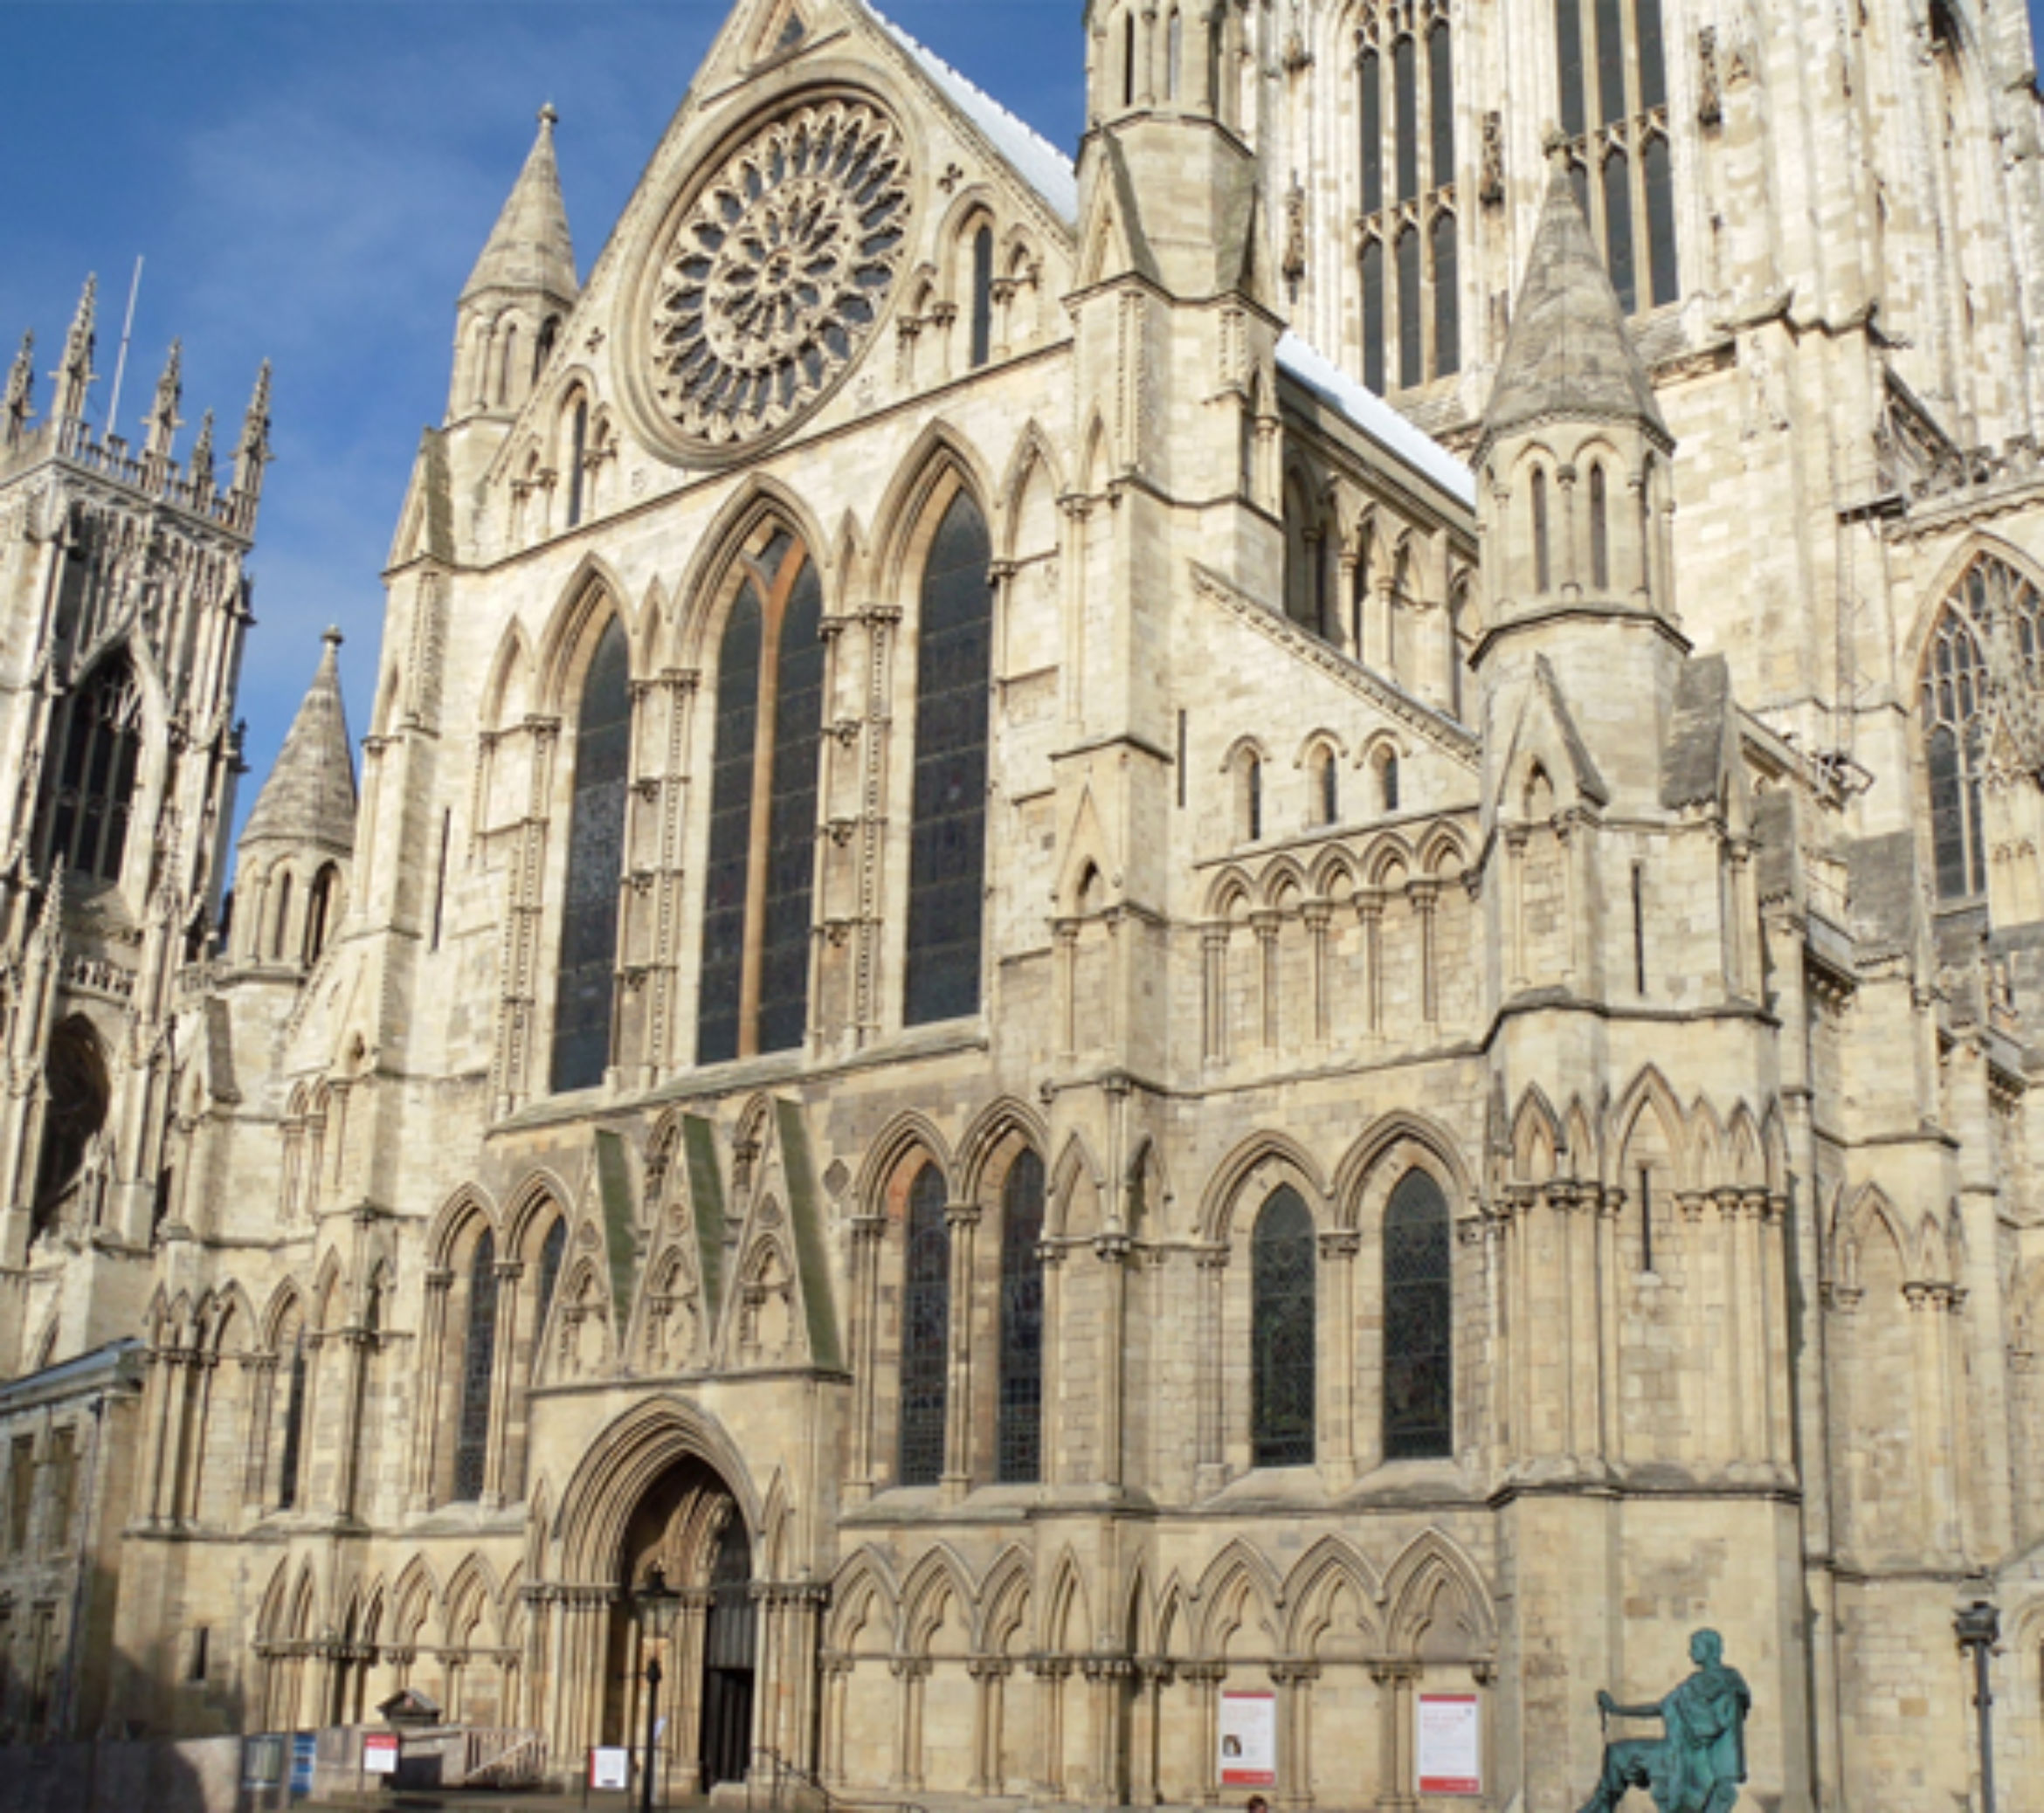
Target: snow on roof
1377 418
1041 164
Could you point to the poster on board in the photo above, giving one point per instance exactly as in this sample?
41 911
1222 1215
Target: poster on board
610 1766
1450 1748
379 1753
1248 1740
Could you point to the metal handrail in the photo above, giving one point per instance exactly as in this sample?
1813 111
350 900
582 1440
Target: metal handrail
784 1770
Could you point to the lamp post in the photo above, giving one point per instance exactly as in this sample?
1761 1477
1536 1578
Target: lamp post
1979 1629
656 1601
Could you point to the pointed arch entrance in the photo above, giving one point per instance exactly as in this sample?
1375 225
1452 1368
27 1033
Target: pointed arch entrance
689 1523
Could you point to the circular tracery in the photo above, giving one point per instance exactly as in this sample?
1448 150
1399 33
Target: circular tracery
779 272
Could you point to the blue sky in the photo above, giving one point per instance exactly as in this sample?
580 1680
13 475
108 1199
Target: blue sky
310 181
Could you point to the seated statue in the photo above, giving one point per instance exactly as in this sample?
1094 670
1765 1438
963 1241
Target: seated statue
1698 1766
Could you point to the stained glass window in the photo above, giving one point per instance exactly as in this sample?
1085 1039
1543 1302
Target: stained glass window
89 791
551 1250
1419 1323
983 260
1018 1434
293 1443
1282 1332
1992 625
1615 50
947 855
585 994
1600 531
478 1362
761 878
1411 314
926 1331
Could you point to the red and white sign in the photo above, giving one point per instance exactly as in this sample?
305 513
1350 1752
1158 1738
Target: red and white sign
379 1753
1451 1744
1248 1740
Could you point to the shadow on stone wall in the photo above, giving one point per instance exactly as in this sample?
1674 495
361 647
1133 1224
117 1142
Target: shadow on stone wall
196 1775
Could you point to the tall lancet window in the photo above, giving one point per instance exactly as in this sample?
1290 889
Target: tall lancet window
762 872
947 850
585 993
479 1363
1019 1433
1614 62
1282 1325
87 791
1989 638
1408 273
926 1332
1419 1323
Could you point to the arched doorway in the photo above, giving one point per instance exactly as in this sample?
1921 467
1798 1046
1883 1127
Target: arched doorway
689 1522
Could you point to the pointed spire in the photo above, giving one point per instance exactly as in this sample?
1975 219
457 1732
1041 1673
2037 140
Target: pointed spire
163 419
199 468
309 798
251 451
1570 355
17 407
529 248
75 376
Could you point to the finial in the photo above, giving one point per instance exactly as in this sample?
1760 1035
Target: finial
252 451
201 464
332 637
17 407
163 419
76 372
549 117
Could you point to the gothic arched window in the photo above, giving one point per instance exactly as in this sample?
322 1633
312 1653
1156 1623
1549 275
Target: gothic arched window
76 1093
479 1363
88 789
982 272
926 1332
320 908
1018 1430
1281 1338
1988 636
551 1250
586 988
1613 64
1410 134
1419 1323
946 847
291 1460
761 871
577 453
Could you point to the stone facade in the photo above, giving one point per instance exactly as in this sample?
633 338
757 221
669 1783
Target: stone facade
1087 1023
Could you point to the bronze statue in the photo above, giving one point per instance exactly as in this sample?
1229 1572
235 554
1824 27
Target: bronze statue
1698 1766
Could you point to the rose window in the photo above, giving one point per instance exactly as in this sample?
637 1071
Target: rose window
779 272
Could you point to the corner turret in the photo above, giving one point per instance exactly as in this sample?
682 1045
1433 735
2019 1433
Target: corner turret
297 850
520 292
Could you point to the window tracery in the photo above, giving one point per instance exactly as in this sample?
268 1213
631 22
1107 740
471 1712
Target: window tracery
1982 672
89 791
1018 1429
754 994
1614 66
478 1362
1406 117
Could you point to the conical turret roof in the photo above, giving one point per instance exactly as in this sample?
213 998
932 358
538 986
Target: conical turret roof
529 248
1570 356
309 798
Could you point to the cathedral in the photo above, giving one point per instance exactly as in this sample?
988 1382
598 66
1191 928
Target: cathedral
1208 971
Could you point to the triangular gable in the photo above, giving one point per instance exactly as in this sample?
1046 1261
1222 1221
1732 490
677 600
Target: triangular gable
1112 235
425 525
1545 729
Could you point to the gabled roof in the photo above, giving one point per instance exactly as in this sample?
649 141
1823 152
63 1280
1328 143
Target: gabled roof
309 798
1039 162
529 248
1570 357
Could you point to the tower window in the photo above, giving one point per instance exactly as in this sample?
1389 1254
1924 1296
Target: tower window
1989 637
89 790
1418 1304
1416 329
1616 50
1599 532
585 990
761 871
1282 1332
